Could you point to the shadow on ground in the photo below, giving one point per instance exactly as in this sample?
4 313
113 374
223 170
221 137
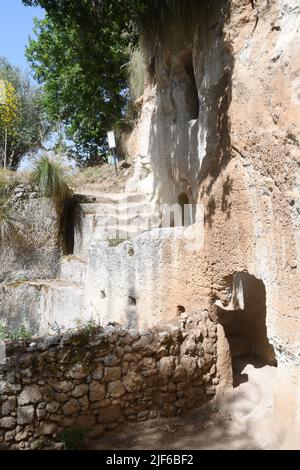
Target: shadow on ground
240 418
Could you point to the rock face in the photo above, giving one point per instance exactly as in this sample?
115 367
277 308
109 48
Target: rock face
235 153
34 252
218 130
58 384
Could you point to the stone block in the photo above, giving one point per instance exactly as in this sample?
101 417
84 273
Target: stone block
80 390
30 394
109 414
71 407
25 414
111 374
116 389
97 391
7 423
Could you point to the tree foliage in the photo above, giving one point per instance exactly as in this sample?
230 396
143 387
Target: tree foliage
81 54
24 116
80 59
8 104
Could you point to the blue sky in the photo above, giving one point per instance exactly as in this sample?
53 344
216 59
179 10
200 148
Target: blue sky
16 24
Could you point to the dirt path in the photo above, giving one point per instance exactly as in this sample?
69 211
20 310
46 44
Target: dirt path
239 419
101 179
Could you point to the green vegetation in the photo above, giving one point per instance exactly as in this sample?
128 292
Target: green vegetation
7 225
49 177
113 242
87 327
9 180
8 228
73 438
18 333
23 124
81 56
41 443
82 70
91 57
8 115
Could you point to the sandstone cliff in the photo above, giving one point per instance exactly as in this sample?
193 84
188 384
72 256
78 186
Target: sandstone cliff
220 123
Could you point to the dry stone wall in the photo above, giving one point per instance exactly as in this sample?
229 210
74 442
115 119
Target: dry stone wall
96 379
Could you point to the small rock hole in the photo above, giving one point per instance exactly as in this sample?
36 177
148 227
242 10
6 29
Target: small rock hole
132 300
180 309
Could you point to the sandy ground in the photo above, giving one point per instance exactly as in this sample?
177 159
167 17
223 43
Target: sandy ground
237 419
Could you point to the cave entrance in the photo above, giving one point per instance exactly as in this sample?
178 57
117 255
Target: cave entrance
244 325
186 209
191 95
67 226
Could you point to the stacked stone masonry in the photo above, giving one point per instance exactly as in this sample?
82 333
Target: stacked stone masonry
96 379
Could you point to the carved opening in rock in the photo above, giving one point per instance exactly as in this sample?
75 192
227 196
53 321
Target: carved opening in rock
131 300
186 209
151 71
180 309
246 329
191 94
103 294
67 226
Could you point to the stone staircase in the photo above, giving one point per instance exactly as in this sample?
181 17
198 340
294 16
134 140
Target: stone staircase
111 217
45 306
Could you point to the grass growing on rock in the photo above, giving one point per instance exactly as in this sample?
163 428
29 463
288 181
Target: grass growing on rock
52 181
114 242
18 333
50 178
7 226
8 182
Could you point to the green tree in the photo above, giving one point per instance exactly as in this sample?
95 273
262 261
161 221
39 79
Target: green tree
8 114
28 127
81 55
81 63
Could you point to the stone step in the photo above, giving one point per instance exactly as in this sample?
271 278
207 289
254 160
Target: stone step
122 207
95 228
113 198
95 221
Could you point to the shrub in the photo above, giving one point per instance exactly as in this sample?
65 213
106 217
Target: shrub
114 242
8 228
19 333
7 222
49 177
9 180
